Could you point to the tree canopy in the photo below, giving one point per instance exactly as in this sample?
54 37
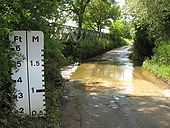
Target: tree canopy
151 22
100 14
77 8
120 28
155 14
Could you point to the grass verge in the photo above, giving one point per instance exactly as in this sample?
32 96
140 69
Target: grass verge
160 70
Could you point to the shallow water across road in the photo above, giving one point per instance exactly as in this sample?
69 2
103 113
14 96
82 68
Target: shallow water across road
107 91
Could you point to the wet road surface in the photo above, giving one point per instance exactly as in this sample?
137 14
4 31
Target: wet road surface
107 91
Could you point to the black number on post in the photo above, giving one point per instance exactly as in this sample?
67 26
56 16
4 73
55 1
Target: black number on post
32 90
31 63
18 63
34 113
40 113
19 80
21 110
36 63
18 48
20 95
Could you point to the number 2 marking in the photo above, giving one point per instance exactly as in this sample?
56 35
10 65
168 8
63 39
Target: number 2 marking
21 110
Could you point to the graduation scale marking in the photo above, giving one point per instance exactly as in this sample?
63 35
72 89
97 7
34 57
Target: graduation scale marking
29 75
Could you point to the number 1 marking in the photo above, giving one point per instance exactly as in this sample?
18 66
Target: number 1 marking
32 90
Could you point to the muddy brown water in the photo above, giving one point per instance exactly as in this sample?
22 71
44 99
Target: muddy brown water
107 91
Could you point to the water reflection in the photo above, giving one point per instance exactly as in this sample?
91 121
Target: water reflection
113 66
113 72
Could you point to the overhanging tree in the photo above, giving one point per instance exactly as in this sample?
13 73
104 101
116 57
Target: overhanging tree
151 21
153 13
78 8
100 13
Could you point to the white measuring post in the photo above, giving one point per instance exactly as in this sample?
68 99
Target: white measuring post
29 77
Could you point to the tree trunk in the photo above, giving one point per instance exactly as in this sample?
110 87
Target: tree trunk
99 29
80 22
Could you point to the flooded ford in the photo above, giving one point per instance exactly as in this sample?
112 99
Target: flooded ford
108 91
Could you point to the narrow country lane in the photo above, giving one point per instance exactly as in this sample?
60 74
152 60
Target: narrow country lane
107 91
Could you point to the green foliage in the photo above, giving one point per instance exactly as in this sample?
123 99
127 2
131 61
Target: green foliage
159 64
154 13
129 41
89 48
92 14
143 46
124 41
77 8
161 70
120 28
117 28
54 59
28 15
53 95
162 53
151 20
99 14
7 17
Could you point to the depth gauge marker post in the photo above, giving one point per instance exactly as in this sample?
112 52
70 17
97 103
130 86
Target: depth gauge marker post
29 76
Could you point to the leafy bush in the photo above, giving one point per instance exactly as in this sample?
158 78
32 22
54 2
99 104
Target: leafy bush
143 45
162 54
160 62
120 28
151 28
89 48
54 59
128 41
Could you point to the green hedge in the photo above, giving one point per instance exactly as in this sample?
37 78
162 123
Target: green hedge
160 62
89 48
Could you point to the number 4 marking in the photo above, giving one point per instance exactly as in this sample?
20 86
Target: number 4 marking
19 80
